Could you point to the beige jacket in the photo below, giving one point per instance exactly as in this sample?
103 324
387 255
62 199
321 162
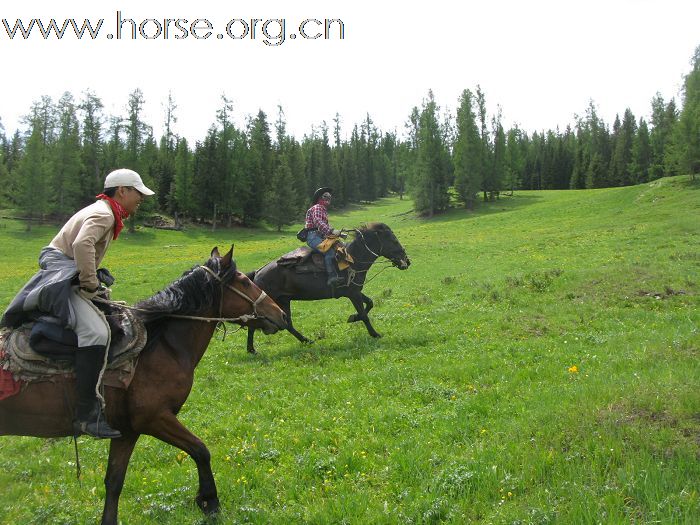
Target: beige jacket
85 238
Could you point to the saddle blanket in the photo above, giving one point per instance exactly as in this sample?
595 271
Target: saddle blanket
25 365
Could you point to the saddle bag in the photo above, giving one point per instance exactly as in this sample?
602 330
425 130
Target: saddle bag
302 234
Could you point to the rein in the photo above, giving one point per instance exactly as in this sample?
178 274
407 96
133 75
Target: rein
243 318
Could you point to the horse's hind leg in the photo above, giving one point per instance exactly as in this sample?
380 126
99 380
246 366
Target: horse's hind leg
119 454
167 428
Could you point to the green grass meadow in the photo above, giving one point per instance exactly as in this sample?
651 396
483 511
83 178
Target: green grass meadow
539 364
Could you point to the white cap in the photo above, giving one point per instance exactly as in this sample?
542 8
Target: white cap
125 177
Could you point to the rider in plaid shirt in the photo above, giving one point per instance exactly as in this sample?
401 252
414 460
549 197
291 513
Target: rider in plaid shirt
318 229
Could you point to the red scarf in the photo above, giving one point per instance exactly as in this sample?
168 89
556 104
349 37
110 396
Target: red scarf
119 213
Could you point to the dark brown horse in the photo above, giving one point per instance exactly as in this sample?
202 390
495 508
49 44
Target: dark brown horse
163 377
283 284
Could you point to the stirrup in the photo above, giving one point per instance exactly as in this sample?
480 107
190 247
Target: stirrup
334 280
97 428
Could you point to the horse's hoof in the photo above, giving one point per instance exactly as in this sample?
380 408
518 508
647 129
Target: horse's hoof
252 351
376 335
209 506
352 318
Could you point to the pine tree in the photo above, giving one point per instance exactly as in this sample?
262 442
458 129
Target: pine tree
516 151
149 167
387 178
688 129
597 169
230 176
114 151
165 171
663 118
14 152
354 163
259 167
33 177
622 154
369 139
280 202
596 174
671 154
34 167
641 154
205 193
499 157
66 167
136 130
486 165
180 200
4 172
467 152
430 185
582 155
295 160
92 143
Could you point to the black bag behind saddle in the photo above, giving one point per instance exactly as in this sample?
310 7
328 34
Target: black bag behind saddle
303 260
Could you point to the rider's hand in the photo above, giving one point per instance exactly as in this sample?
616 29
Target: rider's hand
335 233
89 294
100 291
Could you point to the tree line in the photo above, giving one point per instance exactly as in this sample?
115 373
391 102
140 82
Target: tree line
259 172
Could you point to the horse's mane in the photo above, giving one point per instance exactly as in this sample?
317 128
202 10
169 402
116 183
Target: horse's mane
378 228
188 295
373 227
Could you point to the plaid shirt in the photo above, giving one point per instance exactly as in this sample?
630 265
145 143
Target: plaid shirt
317 217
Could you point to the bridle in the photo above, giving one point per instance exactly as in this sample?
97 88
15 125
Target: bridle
352 272
253 303
381 248
364 242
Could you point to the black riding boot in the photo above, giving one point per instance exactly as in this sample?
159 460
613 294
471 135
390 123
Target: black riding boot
90 419
333 278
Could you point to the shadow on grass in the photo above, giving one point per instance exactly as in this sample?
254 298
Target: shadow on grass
350 349
690 184
503 205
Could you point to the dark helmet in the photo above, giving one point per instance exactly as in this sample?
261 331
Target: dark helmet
319 192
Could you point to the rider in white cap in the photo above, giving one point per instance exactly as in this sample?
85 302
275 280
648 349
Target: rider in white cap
68 281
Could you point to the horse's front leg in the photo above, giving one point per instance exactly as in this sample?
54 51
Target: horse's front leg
362 315
285 304
119 454
251 337
169 429
368 305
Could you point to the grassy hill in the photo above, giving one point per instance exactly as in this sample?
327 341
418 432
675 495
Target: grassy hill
539 365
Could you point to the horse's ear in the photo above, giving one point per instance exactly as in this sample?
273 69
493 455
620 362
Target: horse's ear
215 252
226 261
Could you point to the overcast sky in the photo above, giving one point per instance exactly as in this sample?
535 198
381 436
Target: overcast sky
540 60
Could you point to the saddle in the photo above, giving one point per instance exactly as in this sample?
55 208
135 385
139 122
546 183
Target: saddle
306 260
40 350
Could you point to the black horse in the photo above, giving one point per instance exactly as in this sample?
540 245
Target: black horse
285 283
